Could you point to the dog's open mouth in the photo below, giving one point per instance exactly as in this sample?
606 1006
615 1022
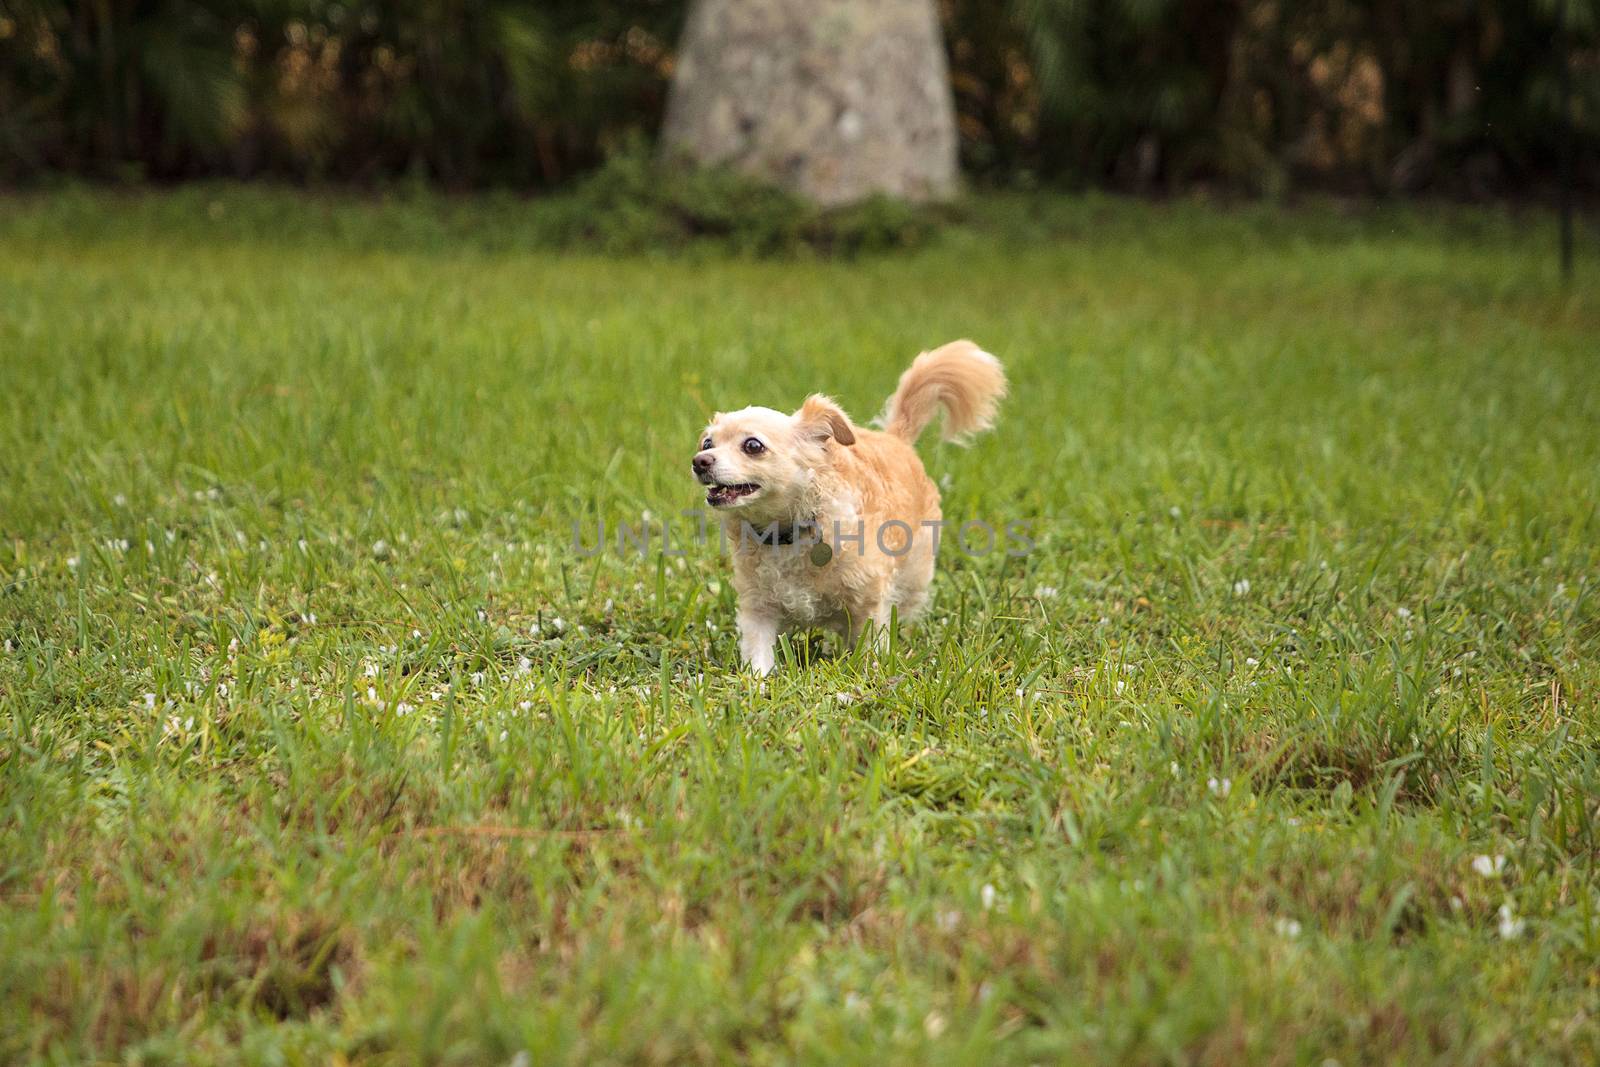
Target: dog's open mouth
721 496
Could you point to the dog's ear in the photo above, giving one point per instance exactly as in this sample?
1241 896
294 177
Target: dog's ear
821 418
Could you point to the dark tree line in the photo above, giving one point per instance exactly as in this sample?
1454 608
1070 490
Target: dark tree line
1458 96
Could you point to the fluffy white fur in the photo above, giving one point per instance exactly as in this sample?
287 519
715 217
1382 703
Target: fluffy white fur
815 476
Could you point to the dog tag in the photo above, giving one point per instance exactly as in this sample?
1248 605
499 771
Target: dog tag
821 553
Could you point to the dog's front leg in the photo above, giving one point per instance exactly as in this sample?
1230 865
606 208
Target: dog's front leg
758 641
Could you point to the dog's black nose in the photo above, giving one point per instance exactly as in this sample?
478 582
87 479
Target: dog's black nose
703 462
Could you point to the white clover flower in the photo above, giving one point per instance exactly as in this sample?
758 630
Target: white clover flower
986 896
1119 686
1046 592
1220 787
150 701
948 920
1509 924
1402 613
1289 928
1489 866
403 709
1175 511
1241 587
120 501
380 549
72 563
1251 661
842 698
370 670
934 1024
476 677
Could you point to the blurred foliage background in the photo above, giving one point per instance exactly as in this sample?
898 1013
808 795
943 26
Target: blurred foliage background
1459 97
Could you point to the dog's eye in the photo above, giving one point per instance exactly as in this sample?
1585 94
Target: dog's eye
705 444
752 447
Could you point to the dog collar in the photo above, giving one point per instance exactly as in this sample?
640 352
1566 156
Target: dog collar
774 535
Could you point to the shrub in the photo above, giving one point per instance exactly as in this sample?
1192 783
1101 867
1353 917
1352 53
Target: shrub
638 202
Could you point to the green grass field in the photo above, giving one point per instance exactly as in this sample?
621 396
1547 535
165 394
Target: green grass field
319 742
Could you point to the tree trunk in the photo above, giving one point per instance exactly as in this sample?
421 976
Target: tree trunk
834 99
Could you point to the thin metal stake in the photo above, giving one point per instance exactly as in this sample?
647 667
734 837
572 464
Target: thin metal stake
1567 135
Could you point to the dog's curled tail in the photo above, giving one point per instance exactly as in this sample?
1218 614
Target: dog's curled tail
960 377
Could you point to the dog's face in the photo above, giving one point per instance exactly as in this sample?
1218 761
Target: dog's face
761 463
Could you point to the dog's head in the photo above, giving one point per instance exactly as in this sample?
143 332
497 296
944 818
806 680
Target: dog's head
762 463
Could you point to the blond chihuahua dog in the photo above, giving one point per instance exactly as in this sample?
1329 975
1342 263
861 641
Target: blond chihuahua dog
832 525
